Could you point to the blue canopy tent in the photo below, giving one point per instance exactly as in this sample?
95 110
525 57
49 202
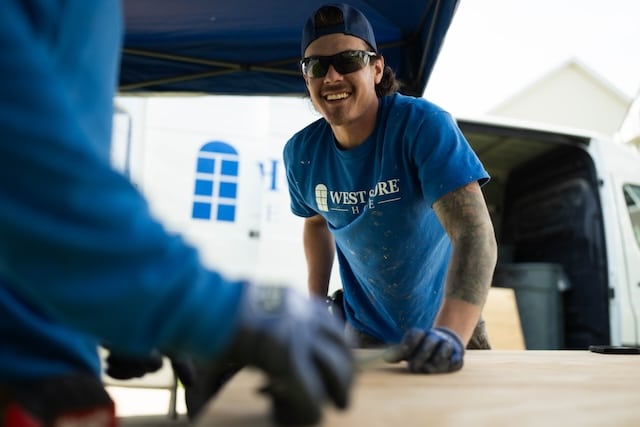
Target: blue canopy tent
252 47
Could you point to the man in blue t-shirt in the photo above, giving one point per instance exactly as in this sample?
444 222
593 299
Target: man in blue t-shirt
389 184
83 262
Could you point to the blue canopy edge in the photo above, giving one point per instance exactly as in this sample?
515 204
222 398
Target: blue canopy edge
252 47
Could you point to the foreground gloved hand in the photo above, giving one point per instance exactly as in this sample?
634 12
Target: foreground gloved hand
298 345
207 381
185 370
124 367
433 351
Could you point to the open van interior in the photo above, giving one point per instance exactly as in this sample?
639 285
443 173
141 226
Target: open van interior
544 202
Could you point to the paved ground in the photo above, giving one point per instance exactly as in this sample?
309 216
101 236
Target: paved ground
139 401
144 407
153 421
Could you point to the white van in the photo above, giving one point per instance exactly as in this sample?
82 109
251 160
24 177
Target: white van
565 206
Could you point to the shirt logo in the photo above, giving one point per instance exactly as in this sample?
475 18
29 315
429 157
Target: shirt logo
383 192
321 197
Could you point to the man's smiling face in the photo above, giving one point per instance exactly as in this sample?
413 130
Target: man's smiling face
344 99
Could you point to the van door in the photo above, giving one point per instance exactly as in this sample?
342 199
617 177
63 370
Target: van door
629 220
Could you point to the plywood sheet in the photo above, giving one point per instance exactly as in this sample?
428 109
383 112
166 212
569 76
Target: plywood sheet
502 320
495 388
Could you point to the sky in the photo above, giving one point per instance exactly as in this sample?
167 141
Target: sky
494 48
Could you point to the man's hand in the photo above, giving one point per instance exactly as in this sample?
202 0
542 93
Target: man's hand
300 347
335 305
433 351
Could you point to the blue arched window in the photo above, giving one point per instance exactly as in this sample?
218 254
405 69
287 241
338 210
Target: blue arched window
216 183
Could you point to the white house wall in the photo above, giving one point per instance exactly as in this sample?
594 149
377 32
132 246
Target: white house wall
569 96
629 132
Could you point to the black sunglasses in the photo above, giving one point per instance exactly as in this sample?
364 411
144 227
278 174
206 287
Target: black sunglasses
345 62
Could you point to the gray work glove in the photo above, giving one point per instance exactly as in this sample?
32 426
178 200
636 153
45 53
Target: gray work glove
207 382
298 345
433 351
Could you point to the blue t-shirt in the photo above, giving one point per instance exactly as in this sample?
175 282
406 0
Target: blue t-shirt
377 200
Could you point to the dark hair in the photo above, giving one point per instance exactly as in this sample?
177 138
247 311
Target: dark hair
327 17
388 84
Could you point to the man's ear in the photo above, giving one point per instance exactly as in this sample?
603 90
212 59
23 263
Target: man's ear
379 69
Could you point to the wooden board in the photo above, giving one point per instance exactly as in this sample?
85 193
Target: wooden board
502 320
495 388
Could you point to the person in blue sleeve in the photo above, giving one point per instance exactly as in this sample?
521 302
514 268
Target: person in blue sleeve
389 184
83 263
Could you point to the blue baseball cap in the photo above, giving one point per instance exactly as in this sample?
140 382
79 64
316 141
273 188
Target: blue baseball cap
354 23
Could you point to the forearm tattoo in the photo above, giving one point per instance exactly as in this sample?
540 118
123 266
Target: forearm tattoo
464 216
